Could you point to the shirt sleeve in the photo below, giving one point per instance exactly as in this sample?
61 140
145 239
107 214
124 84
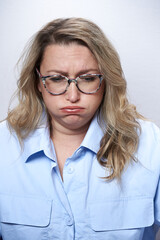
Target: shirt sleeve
153 232
0 234
157 205
157 195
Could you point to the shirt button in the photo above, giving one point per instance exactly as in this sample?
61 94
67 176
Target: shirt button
70 170
69 221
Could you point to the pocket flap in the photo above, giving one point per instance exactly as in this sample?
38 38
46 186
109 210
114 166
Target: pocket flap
25 210
122 214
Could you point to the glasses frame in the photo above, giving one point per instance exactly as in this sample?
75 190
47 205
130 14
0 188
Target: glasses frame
75 80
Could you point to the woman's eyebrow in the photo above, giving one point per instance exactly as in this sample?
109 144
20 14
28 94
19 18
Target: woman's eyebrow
83 71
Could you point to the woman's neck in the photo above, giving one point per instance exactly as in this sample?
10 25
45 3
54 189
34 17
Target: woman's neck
60 133
66 141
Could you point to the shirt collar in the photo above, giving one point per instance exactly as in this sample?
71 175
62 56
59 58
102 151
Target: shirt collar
40 140
93 136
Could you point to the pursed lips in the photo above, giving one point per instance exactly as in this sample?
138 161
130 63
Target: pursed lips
72 109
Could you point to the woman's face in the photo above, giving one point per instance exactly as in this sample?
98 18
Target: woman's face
72 110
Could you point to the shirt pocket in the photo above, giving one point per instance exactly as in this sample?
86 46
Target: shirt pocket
128 213
24 218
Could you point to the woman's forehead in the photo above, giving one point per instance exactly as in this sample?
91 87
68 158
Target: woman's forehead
67 57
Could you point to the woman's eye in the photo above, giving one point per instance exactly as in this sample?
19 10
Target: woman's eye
89 78
56 78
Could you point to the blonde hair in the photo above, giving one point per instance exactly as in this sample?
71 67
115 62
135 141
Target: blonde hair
120 139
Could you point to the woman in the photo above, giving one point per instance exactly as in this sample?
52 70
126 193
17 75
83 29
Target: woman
77 160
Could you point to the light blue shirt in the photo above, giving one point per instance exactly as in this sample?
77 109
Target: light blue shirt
36 205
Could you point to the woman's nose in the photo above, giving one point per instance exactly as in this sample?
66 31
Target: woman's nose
72 94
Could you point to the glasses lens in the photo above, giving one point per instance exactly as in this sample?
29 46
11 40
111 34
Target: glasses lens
56 84
89 83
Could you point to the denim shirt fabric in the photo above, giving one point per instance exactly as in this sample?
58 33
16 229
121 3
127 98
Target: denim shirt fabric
36 205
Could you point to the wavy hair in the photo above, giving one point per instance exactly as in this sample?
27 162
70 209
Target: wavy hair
119 117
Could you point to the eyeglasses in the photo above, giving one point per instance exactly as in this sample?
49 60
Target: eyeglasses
58 84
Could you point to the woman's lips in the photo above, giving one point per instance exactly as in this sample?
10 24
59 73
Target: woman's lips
72 109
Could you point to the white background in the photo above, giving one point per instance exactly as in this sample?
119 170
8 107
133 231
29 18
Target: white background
133 26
